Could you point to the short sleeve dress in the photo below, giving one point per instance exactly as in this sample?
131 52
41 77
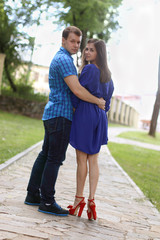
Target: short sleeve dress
90 124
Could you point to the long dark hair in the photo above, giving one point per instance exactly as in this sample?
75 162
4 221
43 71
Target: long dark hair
101 59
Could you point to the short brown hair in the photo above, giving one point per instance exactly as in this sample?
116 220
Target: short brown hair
71 29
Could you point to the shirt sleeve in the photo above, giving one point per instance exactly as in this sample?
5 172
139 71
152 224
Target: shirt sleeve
66 66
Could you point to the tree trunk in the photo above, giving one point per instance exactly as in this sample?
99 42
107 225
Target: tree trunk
155 114
83 44
13 86
84 39
152 130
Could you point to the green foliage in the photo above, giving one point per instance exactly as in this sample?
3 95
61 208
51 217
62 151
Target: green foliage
8 43
94 17
24 91
24 12
142 165
17 134
14 15
141 136
13 40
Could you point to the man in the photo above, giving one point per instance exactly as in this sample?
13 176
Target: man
57 119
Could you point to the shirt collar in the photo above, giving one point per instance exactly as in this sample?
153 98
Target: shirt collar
65 51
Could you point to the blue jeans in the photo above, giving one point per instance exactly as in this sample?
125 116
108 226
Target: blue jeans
45 169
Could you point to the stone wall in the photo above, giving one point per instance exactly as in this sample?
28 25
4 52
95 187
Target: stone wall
20 106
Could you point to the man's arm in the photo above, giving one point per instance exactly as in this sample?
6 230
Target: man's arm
74 85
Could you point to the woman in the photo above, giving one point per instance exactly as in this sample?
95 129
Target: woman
90 125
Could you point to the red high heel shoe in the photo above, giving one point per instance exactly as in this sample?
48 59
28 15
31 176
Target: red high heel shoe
92 214
80 206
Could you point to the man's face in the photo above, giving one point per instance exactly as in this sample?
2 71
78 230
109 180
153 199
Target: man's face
72 43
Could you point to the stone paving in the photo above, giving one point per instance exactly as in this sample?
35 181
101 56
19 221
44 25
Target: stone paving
123 211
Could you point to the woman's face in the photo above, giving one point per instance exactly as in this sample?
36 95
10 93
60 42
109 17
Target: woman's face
90 53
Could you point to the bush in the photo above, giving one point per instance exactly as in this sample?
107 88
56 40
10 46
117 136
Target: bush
24 91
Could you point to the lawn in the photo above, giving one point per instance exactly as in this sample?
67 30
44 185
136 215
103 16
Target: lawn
141 136
117 125
18 133
142 165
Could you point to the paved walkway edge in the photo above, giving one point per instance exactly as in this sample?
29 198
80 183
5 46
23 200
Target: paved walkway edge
132 182
18 156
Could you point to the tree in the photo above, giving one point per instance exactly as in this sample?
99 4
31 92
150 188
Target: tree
94 17
6 44
14 15
156 109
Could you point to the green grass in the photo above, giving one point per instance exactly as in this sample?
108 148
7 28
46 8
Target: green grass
17 133
141 136
142 165
117 125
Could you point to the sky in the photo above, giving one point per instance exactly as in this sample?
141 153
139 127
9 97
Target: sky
133 51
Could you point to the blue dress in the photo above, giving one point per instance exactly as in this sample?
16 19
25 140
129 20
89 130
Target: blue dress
90 124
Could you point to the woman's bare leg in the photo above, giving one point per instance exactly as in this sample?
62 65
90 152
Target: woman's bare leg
81 174
93 181
93 174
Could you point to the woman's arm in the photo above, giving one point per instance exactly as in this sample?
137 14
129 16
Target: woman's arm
109 95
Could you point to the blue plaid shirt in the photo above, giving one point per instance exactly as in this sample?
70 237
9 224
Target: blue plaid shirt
59 104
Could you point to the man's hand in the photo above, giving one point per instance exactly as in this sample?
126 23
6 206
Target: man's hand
101 103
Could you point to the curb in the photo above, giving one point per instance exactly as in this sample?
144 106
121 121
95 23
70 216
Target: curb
18 156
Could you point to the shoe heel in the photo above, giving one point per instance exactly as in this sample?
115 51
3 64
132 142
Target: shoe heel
93 212
89 215
80 206
81 209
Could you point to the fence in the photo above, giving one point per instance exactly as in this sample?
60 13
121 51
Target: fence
122 113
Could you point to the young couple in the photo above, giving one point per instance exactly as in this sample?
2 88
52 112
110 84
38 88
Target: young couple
85 129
